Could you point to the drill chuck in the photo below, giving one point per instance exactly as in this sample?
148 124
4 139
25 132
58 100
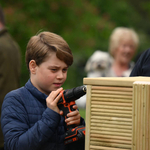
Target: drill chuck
68 98
74 93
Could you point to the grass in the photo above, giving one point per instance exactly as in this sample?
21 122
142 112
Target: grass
82 112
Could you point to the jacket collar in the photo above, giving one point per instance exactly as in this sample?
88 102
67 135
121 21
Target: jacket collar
34 91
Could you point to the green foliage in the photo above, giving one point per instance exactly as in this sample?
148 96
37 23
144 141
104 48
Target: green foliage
86 26
82 113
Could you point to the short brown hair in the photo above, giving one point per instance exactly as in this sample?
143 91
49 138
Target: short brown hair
40 46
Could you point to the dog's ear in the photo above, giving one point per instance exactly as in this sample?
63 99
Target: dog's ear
88 65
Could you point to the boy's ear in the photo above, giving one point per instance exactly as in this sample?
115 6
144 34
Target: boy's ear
32 66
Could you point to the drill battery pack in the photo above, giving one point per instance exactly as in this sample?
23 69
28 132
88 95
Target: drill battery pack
75 134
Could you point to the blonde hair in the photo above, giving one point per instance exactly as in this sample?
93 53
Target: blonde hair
118 35
41 45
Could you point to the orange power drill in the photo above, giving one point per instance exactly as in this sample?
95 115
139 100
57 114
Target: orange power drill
66 102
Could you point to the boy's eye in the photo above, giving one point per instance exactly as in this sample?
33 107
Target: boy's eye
54 70
65 70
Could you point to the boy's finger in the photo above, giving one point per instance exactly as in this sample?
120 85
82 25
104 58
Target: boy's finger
75 107
59 95
55 94
73 113
61 112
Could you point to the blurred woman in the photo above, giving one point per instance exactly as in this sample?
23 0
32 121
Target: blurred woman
123 45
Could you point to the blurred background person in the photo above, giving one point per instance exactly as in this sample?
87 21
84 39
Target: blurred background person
123 46
117 62
10 65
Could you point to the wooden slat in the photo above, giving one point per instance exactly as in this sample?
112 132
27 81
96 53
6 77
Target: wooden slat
111 99
112 137
111 133
111 111
88 116
135 95
110 107
111 103
111 121
114 81
147 130
113 145
112 96
111 140
109 88
144 116
111 125
111 114
103 128
111 118
93 147
112 92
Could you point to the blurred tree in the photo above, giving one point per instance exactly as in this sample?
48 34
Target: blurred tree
86 26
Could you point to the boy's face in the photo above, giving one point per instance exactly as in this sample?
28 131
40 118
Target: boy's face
50 75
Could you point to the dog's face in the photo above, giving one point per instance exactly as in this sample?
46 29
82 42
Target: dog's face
99 61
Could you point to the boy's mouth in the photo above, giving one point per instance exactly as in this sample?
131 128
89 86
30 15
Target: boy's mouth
57 84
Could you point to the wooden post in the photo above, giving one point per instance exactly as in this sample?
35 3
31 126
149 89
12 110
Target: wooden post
88 118
141 116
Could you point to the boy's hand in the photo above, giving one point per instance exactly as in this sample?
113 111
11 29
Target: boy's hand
53 99
73 117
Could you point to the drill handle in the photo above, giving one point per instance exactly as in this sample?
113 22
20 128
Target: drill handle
67 108
67 101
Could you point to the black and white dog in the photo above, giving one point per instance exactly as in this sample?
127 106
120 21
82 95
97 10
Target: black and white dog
98 64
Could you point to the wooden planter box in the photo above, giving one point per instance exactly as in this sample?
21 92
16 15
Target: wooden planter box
117 113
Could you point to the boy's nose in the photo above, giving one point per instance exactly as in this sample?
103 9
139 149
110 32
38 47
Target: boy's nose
60 74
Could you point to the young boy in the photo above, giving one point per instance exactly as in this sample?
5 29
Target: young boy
31 119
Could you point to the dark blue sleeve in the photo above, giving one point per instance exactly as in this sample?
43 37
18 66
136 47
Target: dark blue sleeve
17 133
82 122
142 66
137 69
